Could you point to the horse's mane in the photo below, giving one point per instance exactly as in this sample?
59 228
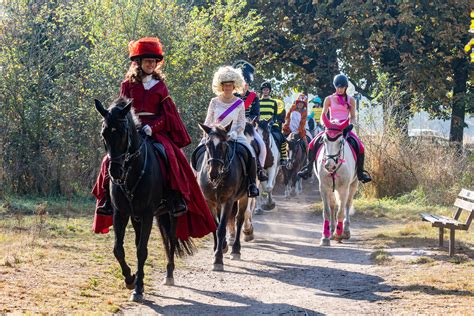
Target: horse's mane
120 103
220 130
263 124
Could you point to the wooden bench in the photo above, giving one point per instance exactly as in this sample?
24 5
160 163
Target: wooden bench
464 203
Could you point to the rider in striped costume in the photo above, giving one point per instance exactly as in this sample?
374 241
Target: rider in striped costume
269 110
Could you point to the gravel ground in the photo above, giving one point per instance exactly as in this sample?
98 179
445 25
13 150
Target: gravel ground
283 271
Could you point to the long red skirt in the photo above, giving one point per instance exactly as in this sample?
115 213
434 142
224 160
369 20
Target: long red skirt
196 223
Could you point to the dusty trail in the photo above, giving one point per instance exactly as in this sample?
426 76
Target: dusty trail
283 271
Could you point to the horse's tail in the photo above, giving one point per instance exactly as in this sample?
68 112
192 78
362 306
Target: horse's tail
182 247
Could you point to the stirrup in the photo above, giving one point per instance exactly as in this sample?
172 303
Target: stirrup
304 173
105 209
252 190
179 207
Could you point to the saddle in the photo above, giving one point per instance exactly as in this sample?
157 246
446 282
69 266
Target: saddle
278 137
353 144
159 150
268 158
241 152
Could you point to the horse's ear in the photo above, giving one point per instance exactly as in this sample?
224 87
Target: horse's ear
126 108
228 126
100 108
205 128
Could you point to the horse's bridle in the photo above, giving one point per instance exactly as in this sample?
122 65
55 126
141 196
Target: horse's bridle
225 167
122 162
292 159
336 156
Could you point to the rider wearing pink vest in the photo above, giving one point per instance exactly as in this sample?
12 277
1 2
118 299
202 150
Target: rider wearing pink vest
340 106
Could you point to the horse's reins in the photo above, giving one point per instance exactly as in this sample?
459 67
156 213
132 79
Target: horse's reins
335 157
291 155
122 182
225 168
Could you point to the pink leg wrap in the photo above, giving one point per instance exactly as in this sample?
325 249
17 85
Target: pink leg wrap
326 231
339 228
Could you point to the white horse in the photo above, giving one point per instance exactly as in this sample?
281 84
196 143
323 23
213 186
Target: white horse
336 172
266 187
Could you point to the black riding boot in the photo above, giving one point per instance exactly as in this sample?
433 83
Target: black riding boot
261 173
252 174
362 175
305 172
177 204
105 206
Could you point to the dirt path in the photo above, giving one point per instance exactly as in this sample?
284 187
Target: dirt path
283 271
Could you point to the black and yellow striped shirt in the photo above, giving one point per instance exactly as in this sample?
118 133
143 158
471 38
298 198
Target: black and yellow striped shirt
268 109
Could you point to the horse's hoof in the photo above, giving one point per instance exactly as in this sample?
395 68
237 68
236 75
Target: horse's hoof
258 211
249 237
225 249
130 283
325 242
346 235
235 256
136 297
168 281
218 267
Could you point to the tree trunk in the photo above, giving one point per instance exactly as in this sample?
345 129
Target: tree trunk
460 68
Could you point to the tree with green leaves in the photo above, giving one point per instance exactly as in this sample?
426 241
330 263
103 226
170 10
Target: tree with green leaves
417 45
58 55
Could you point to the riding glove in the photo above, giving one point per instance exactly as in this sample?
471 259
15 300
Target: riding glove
147 130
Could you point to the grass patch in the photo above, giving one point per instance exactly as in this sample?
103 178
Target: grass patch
404 208
53 262
459 258
397 223
395 209
422 260
381 257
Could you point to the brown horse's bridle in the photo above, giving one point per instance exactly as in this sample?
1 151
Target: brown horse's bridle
225 166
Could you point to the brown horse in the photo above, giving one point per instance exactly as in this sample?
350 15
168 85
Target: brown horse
296 160
223 180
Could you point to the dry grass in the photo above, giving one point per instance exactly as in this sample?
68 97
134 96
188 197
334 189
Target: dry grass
432 276
396 224
400 164
381 257
55 264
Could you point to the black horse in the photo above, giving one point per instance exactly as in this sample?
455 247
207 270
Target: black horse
137 192
221 166
296 160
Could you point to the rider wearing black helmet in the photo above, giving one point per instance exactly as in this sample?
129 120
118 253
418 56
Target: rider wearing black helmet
252 112
269 111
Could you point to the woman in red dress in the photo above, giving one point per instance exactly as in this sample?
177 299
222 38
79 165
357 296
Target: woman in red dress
160 119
